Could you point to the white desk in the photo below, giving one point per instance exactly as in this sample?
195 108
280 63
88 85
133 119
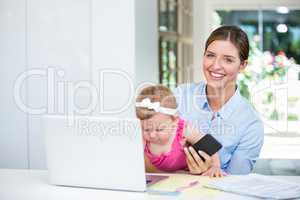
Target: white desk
33 185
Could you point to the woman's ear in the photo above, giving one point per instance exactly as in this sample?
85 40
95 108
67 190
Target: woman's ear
243 65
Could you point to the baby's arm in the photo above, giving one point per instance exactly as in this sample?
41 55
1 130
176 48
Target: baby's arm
150 168
192 134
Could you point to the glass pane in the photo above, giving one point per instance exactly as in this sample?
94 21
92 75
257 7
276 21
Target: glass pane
282 33
163 15
168 15
168 62
247 20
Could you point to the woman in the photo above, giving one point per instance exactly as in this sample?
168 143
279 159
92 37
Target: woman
216 106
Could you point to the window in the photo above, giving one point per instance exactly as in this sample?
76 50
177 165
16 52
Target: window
175 41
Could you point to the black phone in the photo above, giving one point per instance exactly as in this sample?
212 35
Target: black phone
208 144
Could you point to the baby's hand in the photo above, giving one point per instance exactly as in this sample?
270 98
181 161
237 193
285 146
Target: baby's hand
214 171
184 142
192 135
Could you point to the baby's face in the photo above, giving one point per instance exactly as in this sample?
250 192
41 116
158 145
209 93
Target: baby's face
159 128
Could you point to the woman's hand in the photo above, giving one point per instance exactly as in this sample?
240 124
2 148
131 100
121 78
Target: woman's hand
195 164
214 171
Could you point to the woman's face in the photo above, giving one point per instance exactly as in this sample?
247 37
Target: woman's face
221 64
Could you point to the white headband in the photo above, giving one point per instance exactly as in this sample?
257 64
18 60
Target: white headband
146 103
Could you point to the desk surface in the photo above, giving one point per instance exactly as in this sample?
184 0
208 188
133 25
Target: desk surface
33 184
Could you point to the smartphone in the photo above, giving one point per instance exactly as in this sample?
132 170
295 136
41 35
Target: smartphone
208 144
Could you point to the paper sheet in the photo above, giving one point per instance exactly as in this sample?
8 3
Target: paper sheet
183 185
258 186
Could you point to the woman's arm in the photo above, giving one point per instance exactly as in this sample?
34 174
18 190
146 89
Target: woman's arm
215 169
248 150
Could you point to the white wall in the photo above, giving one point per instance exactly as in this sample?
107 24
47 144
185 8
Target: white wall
13 134
146 40
79 38
127 42
200 32
57 36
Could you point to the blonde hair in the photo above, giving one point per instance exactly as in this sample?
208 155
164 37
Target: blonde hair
157 93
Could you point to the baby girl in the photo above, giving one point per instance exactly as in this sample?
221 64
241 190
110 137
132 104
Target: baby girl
165 135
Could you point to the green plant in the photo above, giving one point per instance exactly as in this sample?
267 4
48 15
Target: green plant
263 66
274 115
292 117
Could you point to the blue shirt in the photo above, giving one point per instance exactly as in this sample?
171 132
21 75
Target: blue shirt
236 126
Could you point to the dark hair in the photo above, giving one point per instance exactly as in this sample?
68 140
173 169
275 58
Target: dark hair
236 35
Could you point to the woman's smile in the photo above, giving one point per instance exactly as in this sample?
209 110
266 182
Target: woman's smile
216 75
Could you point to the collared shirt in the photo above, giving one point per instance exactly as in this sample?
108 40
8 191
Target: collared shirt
236 126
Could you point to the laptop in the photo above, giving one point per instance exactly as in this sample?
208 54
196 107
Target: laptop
105 153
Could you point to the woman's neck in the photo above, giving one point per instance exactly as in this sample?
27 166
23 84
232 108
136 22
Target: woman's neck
217 97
